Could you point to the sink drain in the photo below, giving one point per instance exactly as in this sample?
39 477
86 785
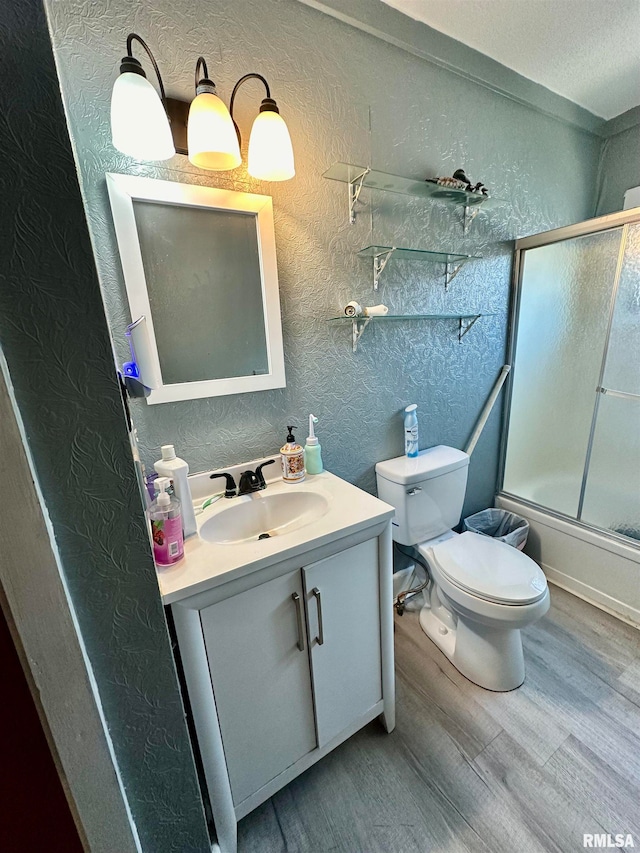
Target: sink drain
264 536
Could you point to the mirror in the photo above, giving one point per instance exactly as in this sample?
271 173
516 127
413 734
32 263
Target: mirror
200 266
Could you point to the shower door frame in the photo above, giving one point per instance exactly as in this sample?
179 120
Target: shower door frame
546 238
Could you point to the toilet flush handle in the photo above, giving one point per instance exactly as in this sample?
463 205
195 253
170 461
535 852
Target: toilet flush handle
414 490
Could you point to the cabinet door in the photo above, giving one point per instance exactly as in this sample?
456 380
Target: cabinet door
261 681
345 642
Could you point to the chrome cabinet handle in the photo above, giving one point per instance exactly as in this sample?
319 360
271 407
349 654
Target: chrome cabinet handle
296 598
414 491
320 637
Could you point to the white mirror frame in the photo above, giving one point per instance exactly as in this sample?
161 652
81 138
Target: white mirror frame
123 191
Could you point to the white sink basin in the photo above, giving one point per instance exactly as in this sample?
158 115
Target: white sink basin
249 518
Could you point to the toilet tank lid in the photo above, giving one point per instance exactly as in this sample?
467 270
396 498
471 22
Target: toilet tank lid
432 462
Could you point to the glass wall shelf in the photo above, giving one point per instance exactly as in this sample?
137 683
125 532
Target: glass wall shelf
359 324
359 177
452 261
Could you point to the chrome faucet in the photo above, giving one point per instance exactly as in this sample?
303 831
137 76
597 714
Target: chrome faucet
253 481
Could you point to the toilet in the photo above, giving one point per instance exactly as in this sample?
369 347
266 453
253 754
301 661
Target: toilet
483 591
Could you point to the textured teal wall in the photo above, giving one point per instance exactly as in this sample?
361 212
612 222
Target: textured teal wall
346 96
619 169
55 340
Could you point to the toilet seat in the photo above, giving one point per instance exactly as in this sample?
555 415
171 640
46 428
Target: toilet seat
490 570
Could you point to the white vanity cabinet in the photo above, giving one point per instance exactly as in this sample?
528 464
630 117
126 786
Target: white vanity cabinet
283 664
342 597
261 681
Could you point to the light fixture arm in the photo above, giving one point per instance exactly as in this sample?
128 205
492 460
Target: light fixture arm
268 103
130 63
203 80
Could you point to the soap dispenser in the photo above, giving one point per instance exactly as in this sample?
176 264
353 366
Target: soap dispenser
312 450
292 458
166 526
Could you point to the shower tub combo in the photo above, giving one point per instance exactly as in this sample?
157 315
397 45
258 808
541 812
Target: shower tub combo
571 447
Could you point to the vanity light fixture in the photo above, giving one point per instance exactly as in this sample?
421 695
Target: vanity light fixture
211 136
139 123
270 149
149 127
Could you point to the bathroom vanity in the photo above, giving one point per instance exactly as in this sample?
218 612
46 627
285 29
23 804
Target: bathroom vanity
286 642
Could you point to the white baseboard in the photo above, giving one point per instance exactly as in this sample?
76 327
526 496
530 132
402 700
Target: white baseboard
599 599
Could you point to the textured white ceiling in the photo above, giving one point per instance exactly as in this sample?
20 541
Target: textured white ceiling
586 50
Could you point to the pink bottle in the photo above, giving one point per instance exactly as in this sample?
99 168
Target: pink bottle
166 526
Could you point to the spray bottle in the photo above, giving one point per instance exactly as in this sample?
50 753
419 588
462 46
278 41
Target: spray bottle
411 431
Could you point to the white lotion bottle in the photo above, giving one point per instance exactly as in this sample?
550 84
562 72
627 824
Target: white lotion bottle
177 470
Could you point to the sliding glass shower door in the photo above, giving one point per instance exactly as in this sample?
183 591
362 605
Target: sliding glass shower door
611 497
573 442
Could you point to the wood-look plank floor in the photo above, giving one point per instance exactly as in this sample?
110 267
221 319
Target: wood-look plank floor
469 771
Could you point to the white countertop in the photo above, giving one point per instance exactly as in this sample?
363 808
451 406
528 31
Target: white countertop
206 565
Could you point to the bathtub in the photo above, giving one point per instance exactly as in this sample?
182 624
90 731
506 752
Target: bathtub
603 570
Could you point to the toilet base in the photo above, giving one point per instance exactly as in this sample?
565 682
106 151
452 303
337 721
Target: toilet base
489 657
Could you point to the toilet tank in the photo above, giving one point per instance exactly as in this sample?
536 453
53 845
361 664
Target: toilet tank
427 492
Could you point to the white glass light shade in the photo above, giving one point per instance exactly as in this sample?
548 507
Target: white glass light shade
211 136
139 123
270 149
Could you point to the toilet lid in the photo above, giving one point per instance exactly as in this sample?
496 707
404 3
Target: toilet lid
490 569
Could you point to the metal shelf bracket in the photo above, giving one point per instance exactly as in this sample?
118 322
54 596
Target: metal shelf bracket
464 328
379 263
355 188
470 214
450 272
358 325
